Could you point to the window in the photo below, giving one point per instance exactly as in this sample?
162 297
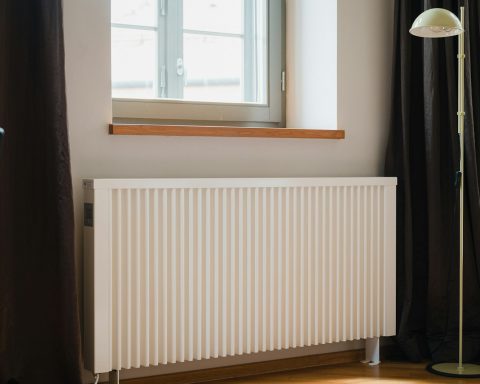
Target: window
198 60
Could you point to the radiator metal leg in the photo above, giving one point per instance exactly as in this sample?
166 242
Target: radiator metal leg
114 377
372 351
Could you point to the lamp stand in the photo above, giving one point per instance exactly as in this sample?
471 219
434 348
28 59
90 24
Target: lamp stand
460 369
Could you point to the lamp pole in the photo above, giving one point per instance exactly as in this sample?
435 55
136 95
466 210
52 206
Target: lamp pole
461 133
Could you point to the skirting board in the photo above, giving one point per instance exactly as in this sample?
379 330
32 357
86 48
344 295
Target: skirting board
253 369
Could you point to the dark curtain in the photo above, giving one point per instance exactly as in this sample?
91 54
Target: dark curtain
39 323
423 152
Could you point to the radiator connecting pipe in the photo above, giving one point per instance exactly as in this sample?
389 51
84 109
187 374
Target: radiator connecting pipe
441 23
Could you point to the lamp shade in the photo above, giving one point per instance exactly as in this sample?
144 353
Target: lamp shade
437 22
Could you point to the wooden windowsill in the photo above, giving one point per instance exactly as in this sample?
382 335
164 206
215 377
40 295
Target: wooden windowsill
214 131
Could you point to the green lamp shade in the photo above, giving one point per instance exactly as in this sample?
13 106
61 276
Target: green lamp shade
437 22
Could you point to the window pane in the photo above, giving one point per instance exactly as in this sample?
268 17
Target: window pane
201 50
133 63
224 16
213 68
135 12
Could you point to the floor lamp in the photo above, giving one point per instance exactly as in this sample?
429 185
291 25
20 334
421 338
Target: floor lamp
438 23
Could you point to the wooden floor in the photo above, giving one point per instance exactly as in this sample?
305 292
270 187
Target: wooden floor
386 373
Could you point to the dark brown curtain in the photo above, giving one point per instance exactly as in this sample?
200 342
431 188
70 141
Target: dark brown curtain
423 152
39 324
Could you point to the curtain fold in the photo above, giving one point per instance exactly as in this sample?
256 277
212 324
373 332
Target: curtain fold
423 152
39 323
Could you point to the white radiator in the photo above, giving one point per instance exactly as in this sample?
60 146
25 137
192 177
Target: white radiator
182 270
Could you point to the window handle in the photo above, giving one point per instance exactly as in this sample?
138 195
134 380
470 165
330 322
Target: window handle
163 82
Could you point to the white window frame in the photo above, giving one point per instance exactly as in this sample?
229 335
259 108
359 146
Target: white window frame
272 113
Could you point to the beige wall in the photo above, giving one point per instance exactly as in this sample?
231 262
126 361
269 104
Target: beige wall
312 64
362 97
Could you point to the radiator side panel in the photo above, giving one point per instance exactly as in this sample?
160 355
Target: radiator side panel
98 291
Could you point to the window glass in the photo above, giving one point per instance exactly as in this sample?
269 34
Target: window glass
211 76
134 72
224 16
135 12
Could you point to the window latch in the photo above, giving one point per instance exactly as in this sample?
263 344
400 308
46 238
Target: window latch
163 8
180 67
284 81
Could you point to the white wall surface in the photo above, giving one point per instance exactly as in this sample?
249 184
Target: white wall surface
363 66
